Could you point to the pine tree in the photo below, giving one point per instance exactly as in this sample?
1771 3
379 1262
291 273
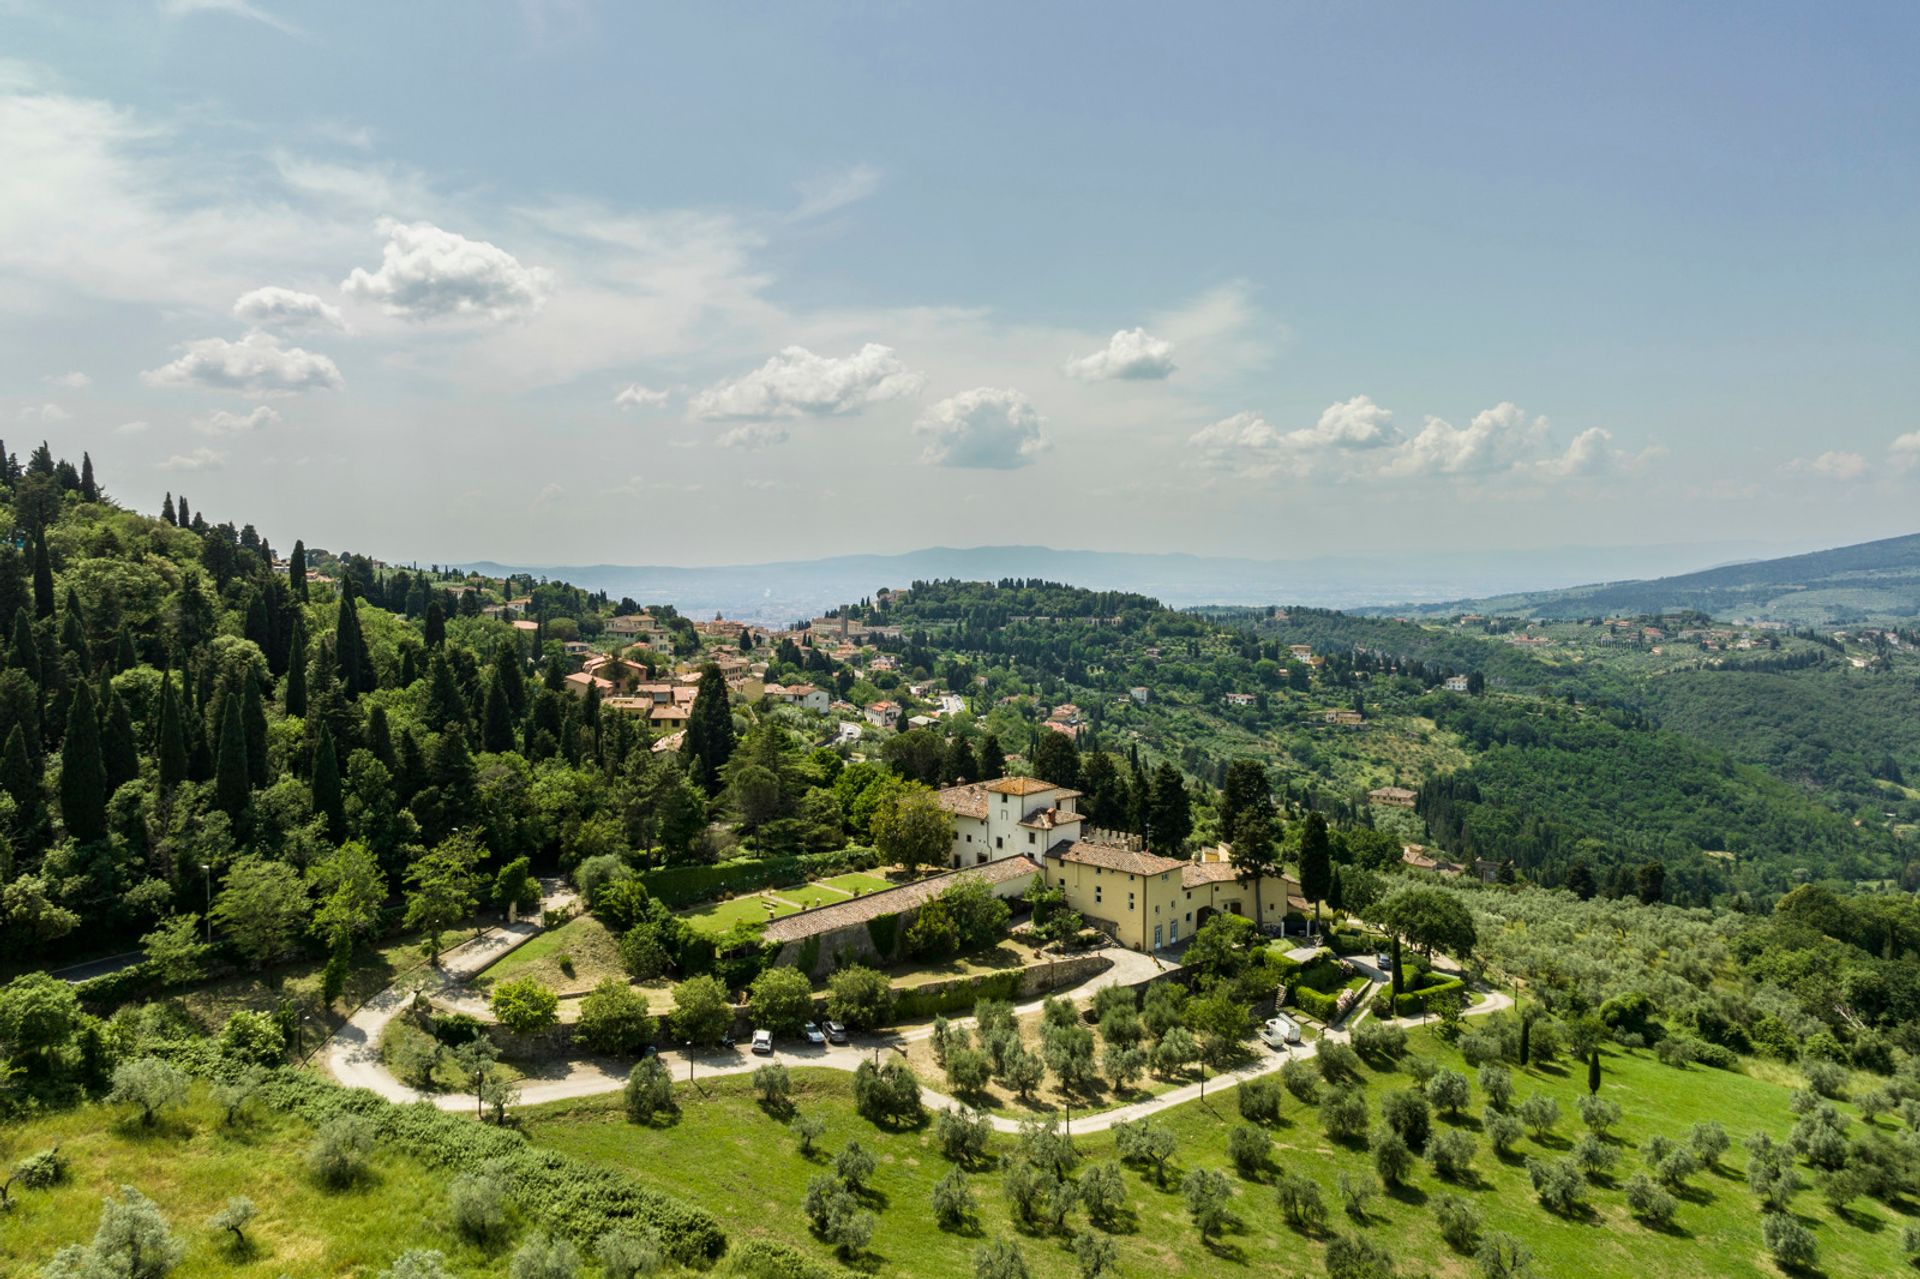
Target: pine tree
42 578
327 799
231 791
119 752
296 683
1316 860
83 774
171 746
89 489
709 740
297 571
436 625
20 779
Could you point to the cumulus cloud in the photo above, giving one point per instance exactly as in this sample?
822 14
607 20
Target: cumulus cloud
43 413
131 428
635 396
1834 464
798 383
430 274
222 422
1588 454
255 365
1904 454
199 460
988 427
1248 444
1497 439
754 436
1133 354
70 381
278 308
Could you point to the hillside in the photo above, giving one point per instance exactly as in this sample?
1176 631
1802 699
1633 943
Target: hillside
1873 581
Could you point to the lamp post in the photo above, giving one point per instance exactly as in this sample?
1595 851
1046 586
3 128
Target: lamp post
207 869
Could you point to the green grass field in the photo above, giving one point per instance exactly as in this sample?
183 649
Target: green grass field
725 1153
720 916
582 942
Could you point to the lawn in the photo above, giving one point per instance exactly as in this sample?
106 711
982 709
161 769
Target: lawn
723 1152
582 944
718 917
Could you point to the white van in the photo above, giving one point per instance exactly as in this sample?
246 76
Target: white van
1280 1031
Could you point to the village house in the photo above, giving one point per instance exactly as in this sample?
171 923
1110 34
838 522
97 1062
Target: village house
1237 699
1139 693
1417 857
804 695
1392 796
1301 652
1008 816
883 714
1455 684
1344 718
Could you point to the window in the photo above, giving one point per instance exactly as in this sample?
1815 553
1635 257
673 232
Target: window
1156 936
1129 901
1029 837
1096 894
999 841
1174 933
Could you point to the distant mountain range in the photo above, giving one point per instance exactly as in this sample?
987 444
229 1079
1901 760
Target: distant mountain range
785 591
1873 581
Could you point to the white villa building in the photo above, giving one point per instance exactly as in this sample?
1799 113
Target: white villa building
1009 817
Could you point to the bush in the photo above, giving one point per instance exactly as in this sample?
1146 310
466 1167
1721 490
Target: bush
1540 1113
1452 1154
625 1255
525 1006
1599 1114
649 1091
1300 1202
253 1039
1379 1042
543 1256
1595 1157
1357 1257
1502 1130
479 1203
1496 1084
1343 1114
614 1020
1406 1112
1249 1148
1648 1201
774 1085
1260 1100
1392 1161
42 1169
340 1151
150 1084
1827 1078
962 1134
1502 1256
1337 1062
859 997
1302 1079
1790 1242
1459 1222
1557 1184
953 1207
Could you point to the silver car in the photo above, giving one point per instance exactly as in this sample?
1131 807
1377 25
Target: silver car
815 1035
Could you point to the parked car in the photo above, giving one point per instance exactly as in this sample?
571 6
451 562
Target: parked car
1280 1031
815 1035
763 1041
836 1033
1384 962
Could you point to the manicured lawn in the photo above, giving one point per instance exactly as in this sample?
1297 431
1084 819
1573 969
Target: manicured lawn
583 943
722 1151
858 883
807 896
721 916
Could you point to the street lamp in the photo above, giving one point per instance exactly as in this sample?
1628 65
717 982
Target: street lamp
207 867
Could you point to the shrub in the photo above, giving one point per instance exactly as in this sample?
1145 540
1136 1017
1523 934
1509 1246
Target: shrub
543 1256
953 1206
1260 1100
854 1165
253 1038
1405 1111
649 1091
1827 1078
1300 1202
525 1006
1249 1148
614 1020
1337 1062
1557 1184
962 1134
42 1169
340 1150
1459 1222
1496 1085
418 1263
1502 1130
1452 1154
1598 1114
1502 1256
1540 1113
1708 1141
1357 1257
1379 1042
1648 1201
774 1086
1480 1048
479 1203
150 1084
1595 1157
968 1070
1392 1161
859 997
625 1255
1344 1115
1790 1242
1448 1091
999 1259
1302 1079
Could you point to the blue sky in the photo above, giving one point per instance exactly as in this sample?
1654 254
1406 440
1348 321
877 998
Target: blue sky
1268 279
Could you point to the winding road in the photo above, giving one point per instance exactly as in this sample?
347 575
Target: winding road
352 1055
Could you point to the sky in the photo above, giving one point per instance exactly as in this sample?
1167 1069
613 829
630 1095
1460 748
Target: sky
698 284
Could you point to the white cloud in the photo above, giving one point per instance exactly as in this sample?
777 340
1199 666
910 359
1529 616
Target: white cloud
798 383
257 365
754 436
1589 454
70 381
835 191
430 274
987 427
1904 454
548 495
222 422
1497 439
233 8
1834 464
1248 444
43 413
199 460
635 396
130 428
275 307
1133 354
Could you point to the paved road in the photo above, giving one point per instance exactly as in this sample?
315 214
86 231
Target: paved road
77 973
352 1055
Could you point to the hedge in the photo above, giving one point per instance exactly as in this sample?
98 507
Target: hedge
567 1194
679 886
1354 941
1315 1004
958 997
1414 1002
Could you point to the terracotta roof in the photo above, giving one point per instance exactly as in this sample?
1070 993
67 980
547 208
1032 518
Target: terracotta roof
965 801
1128 861
890 901
1048 818
1196 874
1024 786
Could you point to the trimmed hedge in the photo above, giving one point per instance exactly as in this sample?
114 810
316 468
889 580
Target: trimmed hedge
957 998
566 1194
1412 1003
1316 1004
679 886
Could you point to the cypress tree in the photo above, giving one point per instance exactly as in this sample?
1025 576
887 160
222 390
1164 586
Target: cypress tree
166 510
409 669
1170 812
231 791
119 752
83 774
171 746
496 718
257 627
993 760
380 738
327 800
508 661
125 656
1593 1073
42 578
436 625
709 740
296 685
183 519
193 717
1316 860
445 705
19 779
350 646
25 653
297 571
89 488
253 713
73 631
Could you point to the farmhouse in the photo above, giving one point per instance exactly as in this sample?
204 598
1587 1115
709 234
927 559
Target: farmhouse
1392 796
